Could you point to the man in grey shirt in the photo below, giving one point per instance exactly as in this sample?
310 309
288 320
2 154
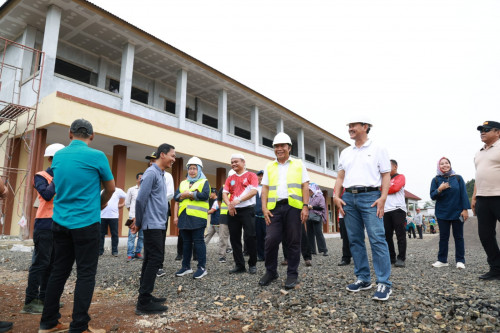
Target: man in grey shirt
418 222
151 215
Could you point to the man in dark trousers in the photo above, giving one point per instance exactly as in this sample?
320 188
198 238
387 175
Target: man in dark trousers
395 216
79 172
260 223
285 200
486 197
43 256
151 216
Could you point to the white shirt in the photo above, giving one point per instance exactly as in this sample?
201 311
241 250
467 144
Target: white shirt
169 181
111 210
418 219
130 200
364 166
282 188
396 201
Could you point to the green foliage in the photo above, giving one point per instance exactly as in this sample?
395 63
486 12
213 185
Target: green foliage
470 188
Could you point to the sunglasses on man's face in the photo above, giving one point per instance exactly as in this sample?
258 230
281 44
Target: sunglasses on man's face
485 130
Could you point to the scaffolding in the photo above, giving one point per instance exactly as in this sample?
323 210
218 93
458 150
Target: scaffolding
21 71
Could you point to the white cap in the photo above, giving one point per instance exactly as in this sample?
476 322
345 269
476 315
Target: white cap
240 156
52 149
194 160
282 137
360 119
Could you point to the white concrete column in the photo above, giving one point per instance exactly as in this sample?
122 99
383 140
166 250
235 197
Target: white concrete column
126 75
181 97
26 59
254 125
322 154
300 144
336 154
155 99
222 114
50 41
280 126
103 72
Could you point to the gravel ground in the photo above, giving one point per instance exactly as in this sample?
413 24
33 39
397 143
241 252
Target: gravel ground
424 298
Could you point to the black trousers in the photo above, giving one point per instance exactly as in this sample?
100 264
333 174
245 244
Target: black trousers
488 215
154 252
315 235
243 220
41 265
70 245
305 247
113 228
346 249
394 221
411 230
260 233
419 229
285 224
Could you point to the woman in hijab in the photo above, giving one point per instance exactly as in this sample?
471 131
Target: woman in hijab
452 203
190 215
317 216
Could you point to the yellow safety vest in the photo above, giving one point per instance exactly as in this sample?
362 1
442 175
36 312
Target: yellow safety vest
193 207
223 207
293 180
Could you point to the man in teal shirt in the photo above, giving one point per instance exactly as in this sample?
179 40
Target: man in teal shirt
78 174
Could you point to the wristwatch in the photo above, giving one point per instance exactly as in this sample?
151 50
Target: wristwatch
305 205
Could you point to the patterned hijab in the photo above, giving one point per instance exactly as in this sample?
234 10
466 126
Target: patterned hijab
199 175
314 188
440 172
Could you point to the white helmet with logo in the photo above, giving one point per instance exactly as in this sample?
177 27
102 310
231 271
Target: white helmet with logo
282 137
52 149
194 160
360 119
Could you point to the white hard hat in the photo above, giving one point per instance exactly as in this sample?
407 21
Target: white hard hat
360 119
231 172
52 149
282 137
194 160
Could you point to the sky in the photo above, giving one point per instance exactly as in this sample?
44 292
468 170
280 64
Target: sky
426 72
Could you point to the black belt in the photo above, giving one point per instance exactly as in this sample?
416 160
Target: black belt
356 189
282 202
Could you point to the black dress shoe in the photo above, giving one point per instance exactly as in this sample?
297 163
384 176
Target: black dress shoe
150 308
160 300
261 259
6 326
179 257
268 278
237 270
252 269
291 282
325 254
344 263
490 276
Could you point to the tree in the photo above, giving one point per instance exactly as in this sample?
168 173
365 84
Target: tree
469 186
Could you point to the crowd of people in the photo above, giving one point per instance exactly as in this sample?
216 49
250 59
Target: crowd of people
276 205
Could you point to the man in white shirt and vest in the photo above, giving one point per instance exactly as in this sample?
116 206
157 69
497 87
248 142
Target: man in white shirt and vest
285 199
364 171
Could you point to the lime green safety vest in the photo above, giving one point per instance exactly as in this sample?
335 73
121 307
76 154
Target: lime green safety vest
293 181
193 207
223 207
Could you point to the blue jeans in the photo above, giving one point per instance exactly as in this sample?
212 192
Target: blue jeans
358 216
444 237
196 237
131 243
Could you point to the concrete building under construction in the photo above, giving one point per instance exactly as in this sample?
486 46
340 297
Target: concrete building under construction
69 59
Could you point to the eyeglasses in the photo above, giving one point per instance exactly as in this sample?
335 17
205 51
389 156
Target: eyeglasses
485 130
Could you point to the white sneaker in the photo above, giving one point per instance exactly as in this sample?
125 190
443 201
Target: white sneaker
460 265
440 264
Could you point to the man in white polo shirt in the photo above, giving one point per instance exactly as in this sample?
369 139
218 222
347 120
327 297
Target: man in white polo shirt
364 172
